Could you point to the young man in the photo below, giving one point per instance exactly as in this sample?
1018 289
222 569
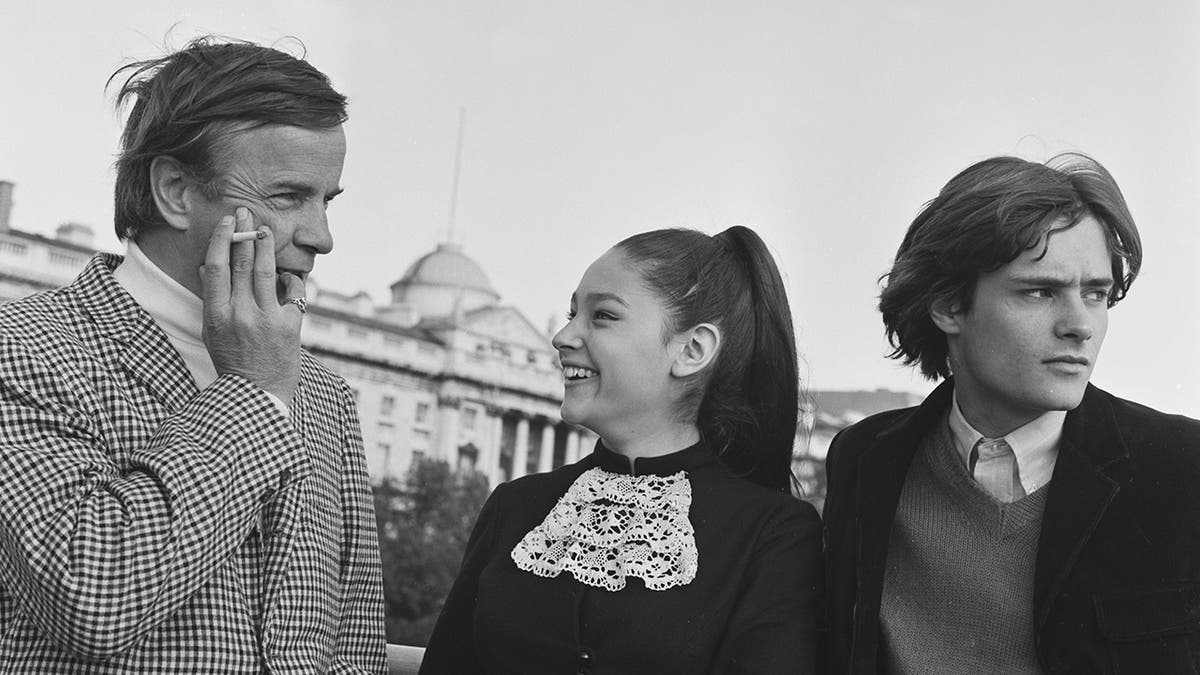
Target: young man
182 488
1020 520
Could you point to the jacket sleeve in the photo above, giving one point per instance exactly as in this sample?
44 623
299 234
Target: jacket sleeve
98 554
773 628
451 647
361 646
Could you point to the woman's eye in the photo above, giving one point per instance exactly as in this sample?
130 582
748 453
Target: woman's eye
570 314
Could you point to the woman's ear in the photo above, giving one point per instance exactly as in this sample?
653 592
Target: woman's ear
170 184
699 348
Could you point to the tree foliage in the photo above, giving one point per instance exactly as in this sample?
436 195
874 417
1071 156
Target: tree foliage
424 524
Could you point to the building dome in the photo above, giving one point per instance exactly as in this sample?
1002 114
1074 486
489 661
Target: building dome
443 282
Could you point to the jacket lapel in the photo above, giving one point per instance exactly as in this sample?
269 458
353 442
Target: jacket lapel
882 469
142 348
1080 493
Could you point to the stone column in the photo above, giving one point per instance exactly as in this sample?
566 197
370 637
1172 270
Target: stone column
546 456
492 468
521 451
572 446
447 425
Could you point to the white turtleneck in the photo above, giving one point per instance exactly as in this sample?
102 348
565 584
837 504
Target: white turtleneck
176 310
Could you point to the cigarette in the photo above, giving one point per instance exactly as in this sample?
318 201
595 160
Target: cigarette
248 236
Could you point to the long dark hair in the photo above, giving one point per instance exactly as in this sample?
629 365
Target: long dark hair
983 219
746 401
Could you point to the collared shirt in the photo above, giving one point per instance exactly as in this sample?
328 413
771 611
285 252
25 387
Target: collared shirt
1035 444
176 310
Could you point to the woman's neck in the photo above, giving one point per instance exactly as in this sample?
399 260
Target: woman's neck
655 443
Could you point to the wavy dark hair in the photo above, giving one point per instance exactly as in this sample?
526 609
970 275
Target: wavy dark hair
186 105
983 219
745 402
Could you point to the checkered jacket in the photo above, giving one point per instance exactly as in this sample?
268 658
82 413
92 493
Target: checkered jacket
147 526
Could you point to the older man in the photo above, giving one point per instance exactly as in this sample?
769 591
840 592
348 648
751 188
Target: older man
1020 520
182 488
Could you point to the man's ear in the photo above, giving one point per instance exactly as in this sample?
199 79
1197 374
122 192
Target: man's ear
170 185
700 345
947 316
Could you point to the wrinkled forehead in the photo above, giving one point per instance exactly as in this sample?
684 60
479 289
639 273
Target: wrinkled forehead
279 144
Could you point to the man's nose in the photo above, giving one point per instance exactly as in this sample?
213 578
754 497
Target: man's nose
1076 321
313 232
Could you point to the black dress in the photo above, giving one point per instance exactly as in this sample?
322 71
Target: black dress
751 608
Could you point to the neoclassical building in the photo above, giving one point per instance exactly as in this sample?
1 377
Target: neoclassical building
444 370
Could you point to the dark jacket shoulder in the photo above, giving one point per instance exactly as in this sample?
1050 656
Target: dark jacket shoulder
1145 429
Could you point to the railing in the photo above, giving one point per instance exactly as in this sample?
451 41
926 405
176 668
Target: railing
404 660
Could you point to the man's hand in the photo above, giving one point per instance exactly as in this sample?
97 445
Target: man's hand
246 330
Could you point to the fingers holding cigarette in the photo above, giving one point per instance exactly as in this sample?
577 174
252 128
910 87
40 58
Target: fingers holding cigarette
241 257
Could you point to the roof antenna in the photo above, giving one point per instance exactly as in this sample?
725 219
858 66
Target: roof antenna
462 123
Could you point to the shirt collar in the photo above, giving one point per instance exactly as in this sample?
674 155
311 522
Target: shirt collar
174 308
663 465
1035 444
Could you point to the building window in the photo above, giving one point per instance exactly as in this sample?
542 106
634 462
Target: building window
384 450
467 457
422 416
386 429
387 405
468 419
421 436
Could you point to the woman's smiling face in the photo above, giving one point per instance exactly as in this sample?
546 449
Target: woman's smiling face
616 352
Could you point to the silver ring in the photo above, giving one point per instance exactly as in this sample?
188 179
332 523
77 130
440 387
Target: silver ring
300 303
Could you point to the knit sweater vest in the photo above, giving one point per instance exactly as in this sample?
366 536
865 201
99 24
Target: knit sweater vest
958 589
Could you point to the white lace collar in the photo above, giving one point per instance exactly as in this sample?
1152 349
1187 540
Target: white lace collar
609 526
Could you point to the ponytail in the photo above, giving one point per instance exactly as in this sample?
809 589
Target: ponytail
746 401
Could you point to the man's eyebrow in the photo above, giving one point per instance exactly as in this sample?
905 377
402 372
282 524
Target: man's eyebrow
603 295
1060 282
303 188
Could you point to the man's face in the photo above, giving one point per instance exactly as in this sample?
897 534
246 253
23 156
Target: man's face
286 177
1030 340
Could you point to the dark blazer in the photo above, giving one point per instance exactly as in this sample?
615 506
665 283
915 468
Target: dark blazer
1117 577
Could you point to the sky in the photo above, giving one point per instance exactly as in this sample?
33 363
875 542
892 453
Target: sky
825 126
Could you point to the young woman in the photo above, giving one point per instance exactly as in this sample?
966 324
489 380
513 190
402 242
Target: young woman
676 546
